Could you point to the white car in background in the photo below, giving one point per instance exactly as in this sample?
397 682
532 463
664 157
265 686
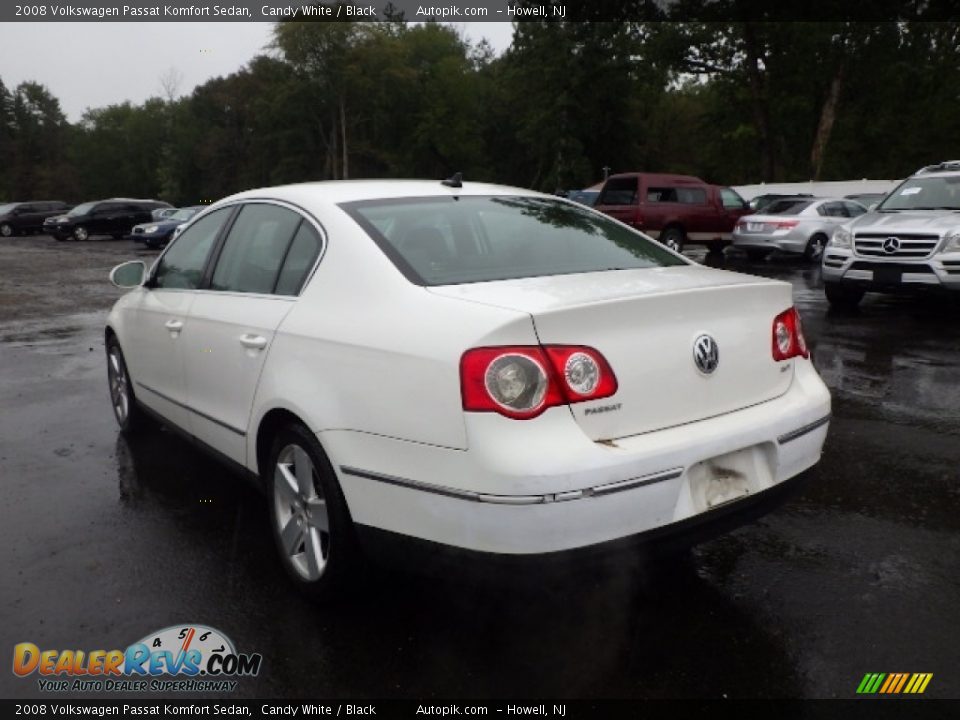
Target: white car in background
801 225
476 366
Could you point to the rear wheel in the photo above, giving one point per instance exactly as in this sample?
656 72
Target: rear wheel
308 514
673 238
843 297
80 233
6 230
129 416
815 247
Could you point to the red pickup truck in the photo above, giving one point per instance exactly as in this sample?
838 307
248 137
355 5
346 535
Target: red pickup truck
673 209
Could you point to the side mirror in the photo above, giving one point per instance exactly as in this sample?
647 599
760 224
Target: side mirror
129 275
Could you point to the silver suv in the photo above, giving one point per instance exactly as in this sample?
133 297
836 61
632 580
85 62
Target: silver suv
910 241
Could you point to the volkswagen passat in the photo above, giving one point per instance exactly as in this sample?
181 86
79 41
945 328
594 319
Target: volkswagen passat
470 366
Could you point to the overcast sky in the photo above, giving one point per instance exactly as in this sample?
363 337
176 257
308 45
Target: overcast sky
95 64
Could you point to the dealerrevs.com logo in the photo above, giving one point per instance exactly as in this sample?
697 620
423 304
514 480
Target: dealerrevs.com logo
184 658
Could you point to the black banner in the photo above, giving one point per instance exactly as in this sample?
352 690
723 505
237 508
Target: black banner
876 709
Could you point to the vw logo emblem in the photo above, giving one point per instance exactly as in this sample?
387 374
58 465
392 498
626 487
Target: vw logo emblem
891 245
706 354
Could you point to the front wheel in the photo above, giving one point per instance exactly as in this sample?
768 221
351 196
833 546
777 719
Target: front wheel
815 247
6 230
311 524
80 233
673 238
843 297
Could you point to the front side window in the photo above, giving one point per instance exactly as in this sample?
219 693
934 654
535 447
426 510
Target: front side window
255 249
181 266
731 199
619 191
446 240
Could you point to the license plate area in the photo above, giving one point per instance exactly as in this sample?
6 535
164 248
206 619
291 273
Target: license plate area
754 227
888 276
727 478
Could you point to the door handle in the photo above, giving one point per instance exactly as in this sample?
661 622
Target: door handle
254 342
173 325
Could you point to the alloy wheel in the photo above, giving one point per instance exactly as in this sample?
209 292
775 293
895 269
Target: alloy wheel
300 512
119 390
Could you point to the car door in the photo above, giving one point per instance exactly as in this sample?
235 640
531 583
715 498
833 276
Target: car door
233 322
153 328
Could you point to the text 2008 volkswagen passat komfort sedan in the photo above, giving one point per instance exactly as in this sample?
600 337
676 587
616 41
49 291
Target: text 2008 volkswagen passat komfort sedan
474 366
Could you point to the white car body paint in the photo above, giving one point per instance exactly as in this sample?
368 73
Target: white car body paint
369 361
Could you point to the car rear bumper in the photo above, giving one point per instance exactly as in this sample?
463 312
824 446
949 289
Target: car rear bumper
411 553
525 497
760 241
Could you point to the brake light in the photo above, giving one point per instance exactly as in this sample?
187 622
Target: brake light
788 339
785 224
521 381
637 218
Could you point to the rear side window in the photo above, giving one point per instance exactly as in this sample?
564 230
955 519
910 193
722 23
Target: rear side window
255 249
661 194
446 240
182 265
300 259
619 191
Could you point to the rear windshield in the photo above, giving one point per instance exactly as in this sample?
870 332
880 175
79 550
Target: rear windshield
449 241
787 207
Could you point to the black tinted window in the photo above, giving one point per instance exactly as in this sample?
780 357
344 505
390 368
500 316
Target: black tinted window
300 258
619 191
441 241
181 266
254 249
661 194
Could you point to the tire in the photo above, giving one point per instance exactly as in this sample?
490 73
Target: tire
757 255
813 252
673 238
716 247
130 417
309 519
80 233
6 230
843 297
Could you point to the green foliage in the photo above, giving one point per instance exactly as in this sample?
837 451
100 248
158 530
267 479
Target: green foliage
732 102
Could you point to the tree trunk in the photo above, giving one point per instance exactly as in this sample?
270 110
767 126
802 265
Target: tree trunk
343 137
333 148
827 116
761 109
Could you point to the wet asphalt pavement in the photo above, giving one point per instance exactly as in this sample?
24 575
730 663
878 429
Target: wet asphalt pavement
105 540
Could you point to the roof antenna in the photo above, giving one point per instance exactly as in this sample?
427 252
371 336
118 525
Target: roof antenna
454 181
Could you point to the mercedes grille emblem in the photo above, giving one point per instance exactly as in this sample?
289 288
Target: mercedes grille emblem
706 354
891 245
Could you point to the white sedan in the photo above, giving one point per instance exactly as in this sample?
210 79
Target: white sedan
471 365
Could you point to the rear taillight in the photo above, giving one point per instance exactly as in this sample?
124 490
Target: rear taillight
785 224
521 381
637 219
788 339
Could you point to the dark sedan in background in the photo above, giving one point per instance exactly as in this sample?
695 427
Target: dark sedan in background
158 233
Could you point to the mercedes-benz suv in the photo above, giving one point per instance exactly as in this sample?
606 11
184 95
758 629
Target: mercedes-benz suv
909 242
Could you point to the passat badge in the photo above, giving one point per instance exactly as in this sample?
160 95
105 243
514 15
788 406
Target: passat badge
706 354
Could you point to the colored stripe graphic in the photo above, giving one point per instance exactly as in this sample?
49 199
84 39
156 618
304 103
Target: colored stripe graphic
894 683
